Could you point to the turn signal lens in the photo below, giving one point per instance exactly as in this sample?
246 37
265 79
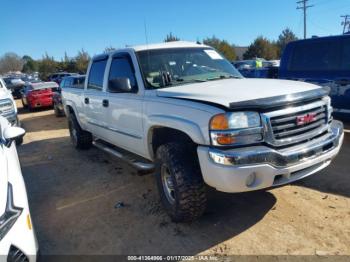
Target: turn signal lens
219 122
226 140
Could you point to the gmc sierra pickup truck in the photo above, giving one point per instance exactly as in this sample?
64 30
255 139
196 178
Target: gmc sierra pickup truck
182 111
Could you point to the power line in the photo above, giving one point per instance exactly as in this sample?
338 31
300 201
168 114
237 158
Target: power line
304 6
345 23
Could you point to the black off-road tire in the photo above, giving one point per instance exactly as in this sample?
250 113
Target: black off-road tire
58 112
188 186
80 138
24 105
19 141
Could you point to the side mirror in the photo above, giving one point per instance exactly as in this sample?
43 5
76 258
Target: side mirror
119 85
13 133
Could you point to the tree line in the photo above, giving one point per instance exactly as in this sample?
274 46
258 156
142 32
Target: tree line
261 47
11 62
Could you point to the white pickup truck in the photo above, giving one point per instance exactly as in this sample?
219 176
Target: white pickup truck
180 109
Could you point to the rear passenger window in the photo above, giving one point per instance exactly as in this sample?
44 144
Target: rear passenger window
315 56
96 75
78 83
121 67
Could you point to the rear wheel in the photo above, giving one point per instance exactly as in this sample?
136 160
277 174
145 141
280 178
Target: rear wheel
180 184
58 112
19 141
23 104
30 108
80 138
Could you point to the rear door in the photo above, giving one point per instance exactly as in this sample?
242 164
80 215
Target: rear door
94 95
124 116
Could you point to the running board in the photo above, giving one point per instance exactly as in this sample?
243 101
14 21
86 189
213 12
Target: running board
136 161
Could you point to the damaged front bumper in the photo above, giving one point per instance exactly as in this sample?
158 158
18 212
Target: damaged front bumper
257 167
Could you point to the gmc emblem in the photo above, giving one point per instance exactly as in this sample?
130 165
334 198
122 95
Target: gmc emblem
306 119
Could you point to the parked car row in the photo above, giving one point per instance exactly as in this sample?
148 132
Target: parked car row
57 77
257 68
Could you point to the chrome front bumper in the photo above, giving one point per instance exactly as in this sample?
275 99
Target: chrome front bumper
256 167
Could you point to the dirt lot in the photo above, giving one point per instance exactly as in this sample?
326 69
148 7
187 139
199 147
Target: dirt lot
72 196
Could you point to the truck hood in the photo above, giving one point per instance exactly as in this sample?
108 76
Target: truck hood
3 181
244 93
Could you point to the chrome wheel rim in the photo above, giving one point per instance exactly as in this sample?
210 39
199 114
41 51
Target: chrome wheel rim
168 184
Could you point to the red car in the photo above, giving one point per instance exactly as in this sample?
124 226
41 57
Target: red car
39 94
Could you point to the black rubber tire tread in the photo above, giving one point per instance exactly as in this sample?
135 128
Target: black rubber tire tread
58 112
19 141
84 138
23 105
190 190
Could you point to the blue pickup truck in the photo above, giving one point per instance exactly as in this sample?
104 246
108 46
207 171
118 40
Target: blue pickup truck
324 61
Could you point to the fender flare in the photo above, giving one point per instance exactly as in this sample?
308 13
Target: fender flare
190 128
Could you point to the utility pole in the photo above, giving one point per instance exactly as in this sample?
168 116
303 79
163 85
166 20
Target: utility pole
304 6
345 23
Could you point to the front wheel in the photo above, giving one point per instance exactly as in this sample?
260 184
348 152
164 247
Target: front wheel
80 138
180 184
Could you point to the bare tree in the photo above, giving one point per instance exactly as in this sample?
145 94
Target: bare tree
11 62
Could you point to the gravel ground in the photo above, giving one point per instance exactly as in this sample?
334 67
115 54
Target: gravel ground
73 197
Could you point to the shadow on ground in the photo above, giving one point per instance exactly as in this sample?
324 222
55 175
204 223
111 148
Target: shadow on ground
335 179
43 123
72 196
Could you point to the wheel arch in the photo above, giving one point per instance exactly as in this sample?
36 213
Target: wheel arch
171 129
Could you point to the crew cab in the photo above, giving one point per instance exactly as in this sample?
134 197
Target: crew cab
38 94
182 111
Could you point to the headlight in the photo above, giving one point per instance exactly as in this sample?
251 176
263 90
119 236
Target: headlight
6 107
235 120
8 219
236 128
327 99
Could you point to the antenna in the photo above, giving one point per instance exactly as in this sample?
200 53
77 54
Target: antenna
146 36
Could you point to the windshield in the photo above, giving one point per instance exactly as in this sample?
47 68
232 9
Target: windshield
179 66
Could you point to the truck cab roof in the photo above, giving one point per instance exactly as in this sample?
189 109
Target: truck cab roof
165 45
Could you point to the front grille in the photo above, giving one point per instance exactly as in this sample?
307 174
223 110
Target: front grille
15 254
283 126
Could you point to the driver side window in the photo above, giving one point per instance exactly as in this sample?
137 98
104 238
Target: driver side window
122 67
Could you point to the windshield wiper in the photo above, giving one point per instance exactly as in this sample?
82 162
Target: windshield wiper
189 80
223 77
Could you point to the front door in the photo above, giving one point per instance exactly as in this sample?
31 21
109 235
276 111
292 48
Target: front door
124 116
